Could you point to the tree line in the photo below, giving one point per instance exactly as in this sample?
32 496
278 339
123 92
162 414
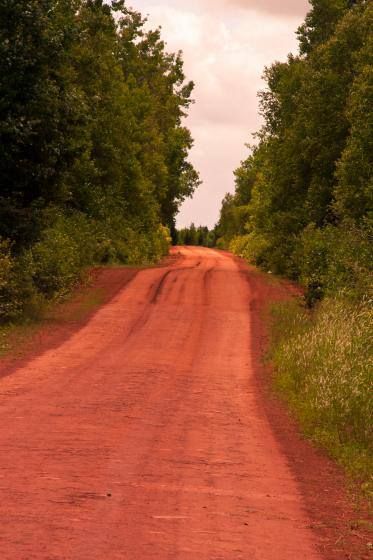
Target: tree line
302 205
93 149
197 236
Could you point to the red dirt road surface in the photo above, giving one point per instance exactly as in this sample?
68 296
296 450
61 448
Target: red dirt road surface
141 436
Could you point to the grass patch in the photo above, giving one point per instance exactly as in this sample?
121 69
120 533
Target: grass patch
323 363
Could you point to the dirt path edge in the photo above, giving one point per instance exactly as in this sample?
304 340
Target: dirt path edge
338 517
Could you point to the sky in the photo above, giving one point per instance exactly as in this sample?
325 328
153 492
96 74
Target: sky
226 44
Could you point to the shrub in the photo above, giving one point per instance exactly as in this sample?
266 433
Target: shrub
18 294
238 245
251 247
334 259
8 305
67 245
221 243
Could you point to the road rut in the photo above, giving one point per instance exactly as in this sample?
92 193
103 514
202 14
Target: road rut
142 437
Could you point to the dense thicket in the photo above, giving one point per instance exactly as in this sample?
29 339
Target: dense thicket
197 236
303 200
93 151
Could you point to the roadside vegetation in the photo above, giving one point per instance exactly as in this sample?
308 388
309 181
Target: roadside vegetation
302 208
324 366
93 150
197 236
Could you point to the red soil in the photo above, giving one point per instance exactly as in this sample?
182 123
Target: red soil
146 430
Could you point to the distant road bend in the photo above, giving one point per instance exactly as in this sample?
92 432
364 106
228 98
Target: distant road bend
141 437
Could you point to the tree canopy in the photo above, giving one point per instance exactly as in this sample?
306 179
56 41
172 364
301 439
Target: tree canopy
91 114
91 132
303 200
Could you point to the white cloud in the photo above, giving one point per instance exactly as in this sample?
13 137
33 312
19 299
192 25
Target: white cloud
286 7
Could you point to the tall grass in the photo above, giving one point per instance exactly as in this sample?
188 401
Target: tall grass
324 366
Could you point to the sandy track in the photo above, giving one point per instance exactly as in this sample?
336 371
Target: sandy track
141 436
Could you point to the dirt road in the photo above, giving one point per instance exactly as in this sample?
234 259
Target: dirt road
141 436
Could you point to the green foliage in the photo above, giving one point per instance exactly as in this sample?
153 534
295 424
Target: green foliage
41 111
303 200
232 221
252 247
8 305
320 22
334 261
93 150
196 236
354 190
68 245
18 294
65 248
324 366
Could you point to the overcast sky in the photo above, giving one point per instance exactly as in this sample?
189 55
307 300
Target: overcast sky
226 44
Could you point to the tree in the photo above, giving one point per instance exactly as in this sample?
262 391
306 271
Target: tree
41 111
320 23
93 148
308 181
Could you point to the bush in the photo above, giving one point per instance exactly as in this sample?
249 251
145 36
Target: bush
334 259
251 247
324 365
68 244
9 305
238 245
221 243
18 294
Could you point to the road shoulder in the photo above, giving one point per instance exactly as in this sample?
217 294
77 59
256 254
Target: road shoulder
338 516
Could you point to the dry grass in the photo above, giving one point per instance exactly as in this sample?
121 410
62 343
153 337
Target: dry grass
324 366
